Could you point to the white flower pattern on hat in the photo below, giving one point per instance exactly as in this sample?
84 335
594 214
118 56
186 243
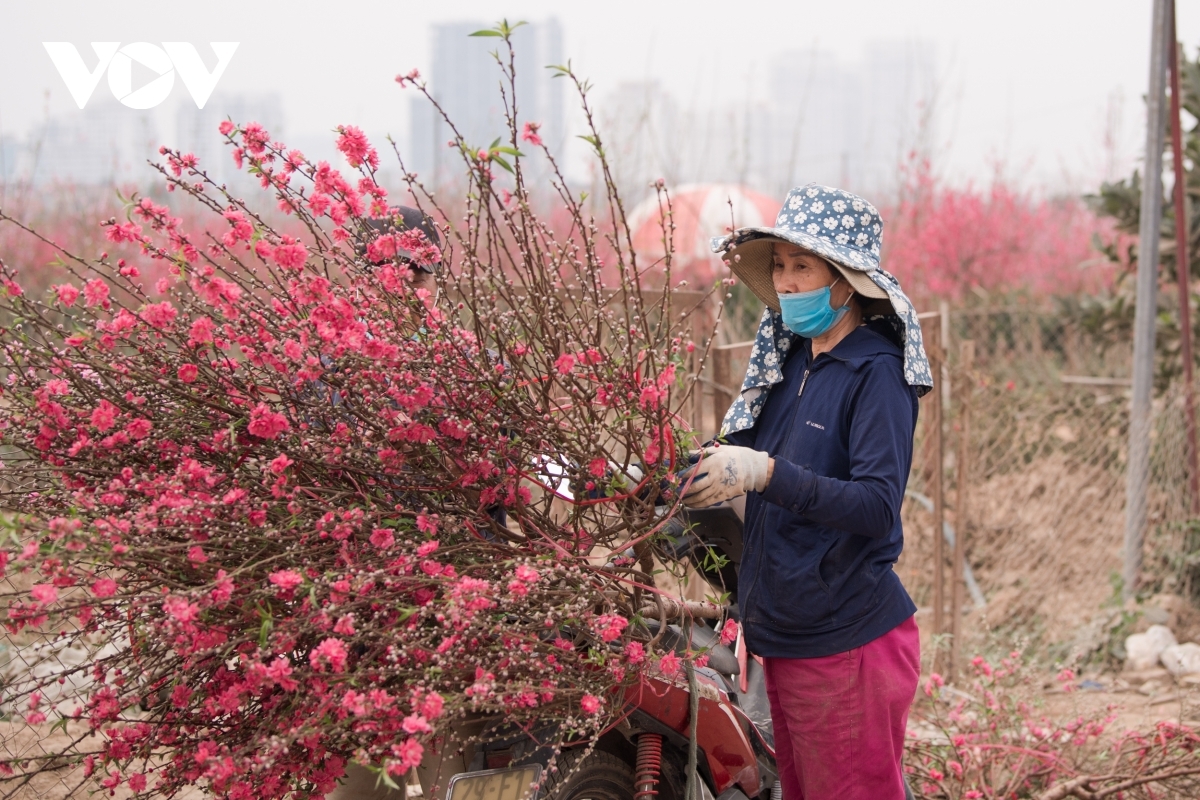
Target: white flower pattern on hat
822 230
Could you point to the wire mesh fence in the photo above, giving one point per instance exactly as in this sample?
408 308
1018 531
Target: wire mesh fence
1044 523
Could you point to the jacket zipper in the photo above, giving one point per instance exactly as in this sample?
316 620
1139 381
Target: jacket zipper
759 521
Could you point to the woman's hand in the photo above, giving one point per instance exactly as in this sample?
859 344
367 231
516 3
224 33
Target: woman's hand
726 472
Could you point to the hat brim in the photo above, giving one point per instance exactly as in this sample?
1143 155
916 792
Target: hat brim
752 261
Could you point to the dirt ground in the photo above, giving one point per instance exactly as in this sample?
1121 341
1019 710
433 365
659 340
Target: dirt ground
1140 700
1045 544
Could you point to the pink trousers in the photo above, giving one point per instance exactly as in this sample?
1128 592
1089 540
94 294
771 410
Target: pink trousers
839 720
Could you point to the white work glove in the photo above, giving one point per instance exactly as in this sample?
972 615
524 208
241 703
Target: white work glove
725 472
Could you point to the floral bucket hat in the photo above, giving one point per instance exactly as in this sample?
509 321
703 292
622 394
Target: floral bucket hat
845 230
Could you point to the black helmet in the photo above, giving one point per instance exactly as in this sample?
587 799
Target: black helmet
401 218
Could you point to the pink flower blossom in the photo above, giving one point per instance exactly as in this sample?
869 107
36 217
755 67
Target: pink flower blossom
354 702
421 250
124 232
255 138
669 665
329 654
590 704
290 254
609 627
104 416
95 293
159 315
267 424
427 523
530 134
201 331
105 587
137 782
226 127
410 753
319 203
729 632
139 428
382 538
426 548
67 294
44 593
416 723
223 588
280 464
286 579
565 363
187 373
180 610
635 653
354 145
432 705
411 77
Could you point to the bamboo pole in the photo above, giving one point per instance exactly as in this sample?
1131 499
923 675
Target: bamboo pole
1183 272
722 361
937 454
700 320
962 499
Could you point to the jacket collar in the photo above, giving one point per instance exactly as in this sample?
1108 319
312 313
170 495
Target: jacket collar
859 346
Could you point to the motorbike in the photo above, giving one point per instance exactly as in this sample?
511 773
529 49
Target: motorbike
645 756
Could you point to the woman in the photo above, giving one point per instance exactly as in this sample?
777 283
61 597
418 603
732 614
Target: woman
821 442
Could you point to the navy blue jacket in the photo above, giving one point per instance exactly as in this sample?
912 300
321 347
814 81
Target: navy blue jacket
816 575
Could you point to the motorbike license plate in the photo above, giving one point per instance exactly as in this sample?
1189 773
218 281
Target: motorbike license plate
517 783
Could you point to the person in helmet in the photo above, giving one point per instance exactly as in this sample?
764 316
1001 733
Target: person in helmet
407 237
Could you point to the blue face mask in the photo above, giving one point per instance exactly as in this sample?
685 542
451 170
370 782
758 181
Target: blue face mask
809 314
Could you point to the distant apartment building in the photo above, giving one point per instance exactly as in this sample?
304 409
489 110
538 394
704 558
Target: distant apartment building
107 143
851 124
847 124
104 143
10 156
466 82
196 129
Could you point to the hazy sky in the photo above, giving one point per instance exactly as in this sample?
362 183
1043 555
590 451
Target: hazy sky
1024 83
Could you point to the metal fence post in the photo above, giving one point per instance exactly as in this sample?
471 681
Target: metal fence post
1138 468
